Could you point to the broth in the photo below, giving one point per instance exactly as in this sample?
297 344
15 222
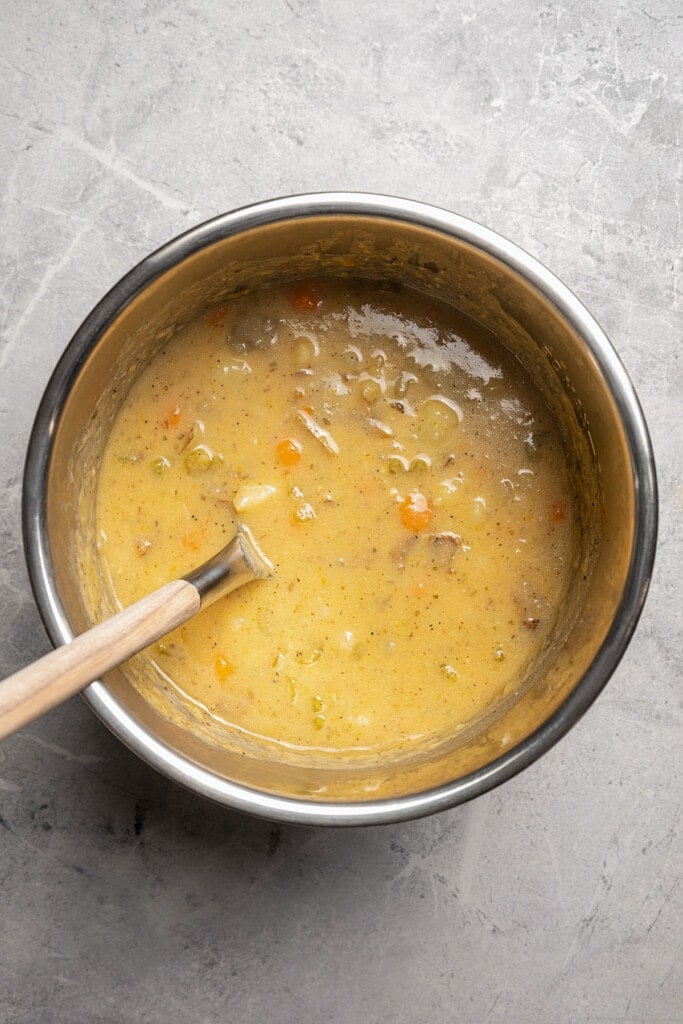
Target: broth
404 476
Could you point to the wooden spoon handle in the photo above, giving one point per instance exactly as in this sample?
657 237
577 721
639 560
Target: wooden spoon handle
35 689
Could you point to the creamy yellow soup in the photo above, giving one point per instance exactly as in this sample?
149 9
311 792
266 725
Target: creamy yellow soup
403 475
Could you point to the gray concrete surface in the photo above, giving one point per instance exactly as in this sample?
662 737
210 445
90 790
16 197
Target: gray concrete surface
553 899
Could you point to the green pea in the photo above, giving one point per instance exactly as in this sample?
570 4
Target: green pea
420 462
160 465
200 459
397 464
352 356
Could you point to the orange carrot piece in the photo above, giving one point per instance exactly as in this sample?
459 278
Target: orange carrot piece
416 513
288 452
172 417
305 296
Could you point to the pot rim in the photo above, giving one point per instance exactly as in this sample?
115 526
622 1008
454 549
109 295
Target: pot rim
300 810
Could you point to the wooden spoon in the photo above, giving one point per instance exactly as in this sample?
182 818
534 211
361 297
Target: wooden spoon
33 690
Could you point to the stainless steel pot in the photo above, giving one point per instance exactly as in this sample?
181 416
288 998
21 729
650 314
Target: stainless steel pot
444 255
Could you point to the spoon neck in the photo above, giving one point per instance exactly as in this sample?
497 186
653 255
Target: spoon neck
239 562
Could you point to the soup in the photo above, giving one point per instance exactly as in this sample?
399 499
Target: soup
404 476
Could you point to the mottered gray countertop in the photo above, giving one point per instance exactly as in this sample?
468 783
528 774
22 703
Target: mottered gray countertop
555 898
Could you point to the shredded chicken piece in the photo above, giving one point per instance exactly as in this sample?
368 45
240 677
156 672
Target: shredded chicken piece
319 433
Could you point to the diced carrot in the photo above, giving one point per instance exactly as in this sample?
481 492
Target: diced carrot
557 512
194 539
216 317
223 667
172 417
416 512
305 296
288 452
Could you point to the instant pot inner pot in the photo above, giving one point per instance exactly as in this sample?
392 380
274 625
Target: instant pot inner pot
439 265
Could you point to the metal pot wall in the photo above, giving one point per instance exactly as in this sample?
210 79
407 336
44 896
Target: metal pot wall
444 255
